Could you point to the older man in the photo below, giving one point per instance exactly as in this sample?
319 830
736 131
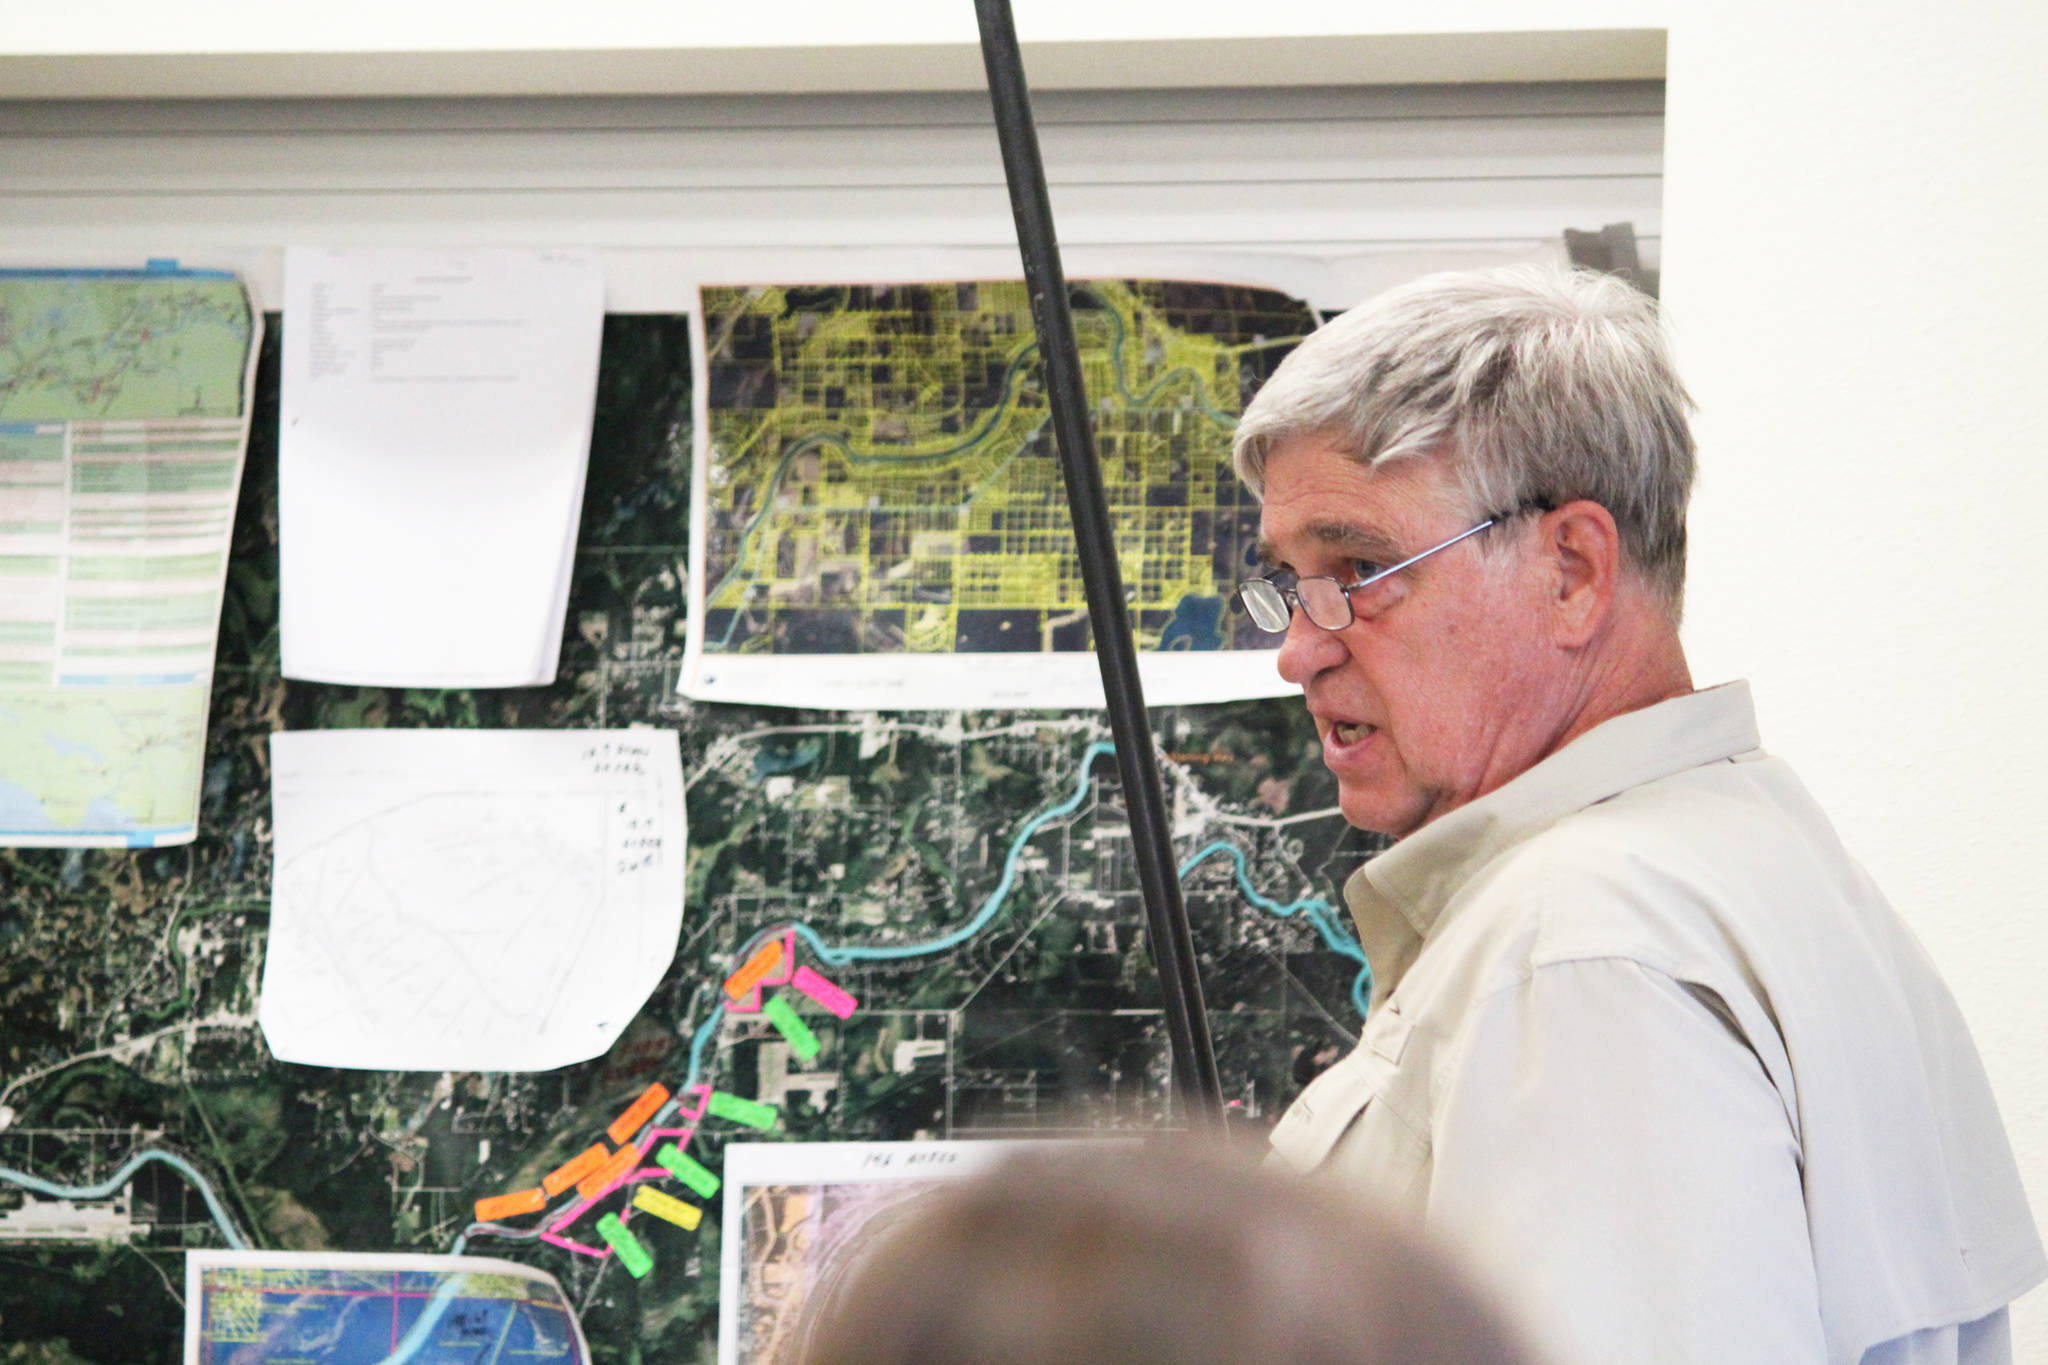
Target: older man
1645 1039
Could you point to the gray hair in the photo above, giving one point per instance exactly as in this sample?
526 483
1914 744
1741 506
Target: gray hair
1538 385
1174 1256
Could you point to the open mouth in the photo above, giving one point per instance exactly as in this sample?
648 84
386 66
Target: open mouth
1348 732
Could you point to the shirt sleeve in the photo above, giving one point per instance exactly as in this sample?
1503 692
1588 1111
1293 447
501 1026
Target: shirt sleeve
1615 1158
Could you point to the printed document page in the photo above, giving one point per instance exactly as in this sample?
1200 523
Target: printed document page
468 900
434 432
124 418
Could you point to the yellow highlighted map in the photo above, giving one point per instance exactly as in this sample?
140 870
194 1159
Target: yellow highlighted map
883 479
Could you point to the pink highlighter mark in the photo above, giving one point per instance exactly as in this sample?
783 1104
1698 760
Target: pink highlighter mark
583 1206
565 1244
750 1003
652 1138
703 1094
824 992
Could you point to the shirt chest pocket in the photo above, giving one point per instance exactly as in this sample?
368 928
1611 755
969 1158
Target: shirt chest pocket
1363 1118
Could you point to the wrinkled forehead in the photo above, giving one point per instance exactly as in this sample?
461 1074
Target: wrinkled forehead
1321 499
1332 535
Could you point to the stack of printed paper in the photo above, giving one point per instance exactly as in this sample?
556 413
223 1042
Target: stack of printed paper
436 415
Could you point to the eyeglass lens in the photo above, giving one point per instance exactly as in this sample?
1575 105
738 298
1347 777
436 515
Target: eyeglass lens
1323 601
1265 604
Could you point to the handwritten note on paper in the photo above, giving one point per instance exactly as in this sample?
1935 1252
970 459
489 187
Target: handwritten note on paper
434 433
469 900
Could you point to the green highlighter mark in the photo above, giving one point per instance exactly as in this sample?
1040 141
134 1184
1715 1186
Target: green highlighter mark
631 1253
802 1041
733 1109
688 1169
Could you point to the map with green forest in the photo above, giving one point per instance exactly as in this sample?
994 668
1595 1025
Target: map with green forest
882 477
111 758
121 344
964 876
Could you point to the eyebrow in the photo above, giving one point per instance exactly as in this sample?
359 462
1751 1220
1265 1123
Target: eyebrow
1349 535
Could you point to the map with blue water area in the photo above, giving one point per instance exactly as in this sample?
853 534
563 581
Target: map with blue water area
882 477
120 761
369 1310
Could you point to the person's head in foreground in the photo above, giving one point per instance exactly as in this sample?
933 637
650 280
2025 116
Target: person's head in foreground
1126 1257
1513 445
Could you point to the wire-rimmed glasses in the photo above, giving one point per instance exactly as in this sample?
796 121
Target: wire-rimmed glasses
1324 600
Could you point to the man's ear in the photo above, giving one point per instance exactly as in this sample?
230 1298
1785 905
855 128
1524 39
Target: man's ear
1581 547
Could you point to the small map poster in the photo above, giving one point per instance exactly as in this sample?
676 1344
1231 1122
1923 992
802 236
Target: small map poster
339 1308
882 505
124 417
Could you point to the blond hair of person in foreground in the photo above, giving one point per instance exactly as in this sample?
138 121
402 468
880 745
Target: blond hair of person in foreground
1167 1253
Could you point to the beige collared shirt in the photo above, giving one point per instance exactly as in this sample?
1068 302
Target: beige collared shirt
1651 1046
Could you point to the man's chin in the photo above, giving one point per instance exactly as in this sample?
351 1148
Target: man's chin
1373 813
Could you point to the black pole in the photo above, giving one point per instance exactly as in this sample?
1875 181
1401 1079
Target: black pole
1173 948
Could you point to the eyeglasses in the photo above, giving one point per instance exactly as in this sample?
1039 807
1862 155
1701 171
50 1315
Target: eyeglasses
1327 602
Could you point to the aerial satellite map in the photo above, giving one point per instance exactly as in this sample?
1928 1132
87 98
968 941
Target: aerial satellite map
911 925
883 479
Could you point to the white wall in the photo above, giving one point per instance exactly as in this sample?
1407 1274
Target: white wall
127 48
1390 181
1856 215
262 26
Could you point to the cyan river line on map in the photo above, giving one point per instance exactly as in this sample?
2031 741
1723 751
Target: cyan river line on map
127 1016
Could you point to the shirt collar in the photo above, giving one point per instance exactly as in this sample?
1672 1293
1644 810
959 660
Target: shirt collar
1396 898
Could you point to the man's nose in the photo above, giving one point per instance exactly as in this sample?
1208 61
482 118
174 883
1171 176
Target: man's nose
1308 649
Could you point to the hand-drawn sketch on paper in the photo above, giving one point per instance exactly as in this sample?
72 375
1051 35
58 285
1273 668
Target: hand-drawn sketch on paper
487 900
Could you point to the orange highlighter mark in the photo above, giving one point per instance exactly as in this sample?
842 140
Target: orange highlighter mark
607 1175
765 960
638 1112
511 1205
573 1170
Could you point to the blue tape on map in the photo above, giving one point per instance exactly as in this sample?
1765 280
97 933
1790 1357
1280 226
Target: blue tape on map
148 838
125 679
158 268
